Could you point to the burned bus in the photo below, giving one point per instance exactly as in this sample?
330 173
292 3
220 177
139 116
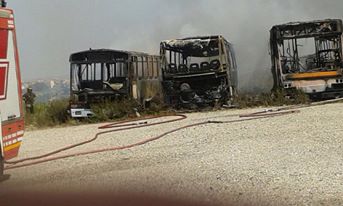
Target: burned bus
308 56
198 71
109 75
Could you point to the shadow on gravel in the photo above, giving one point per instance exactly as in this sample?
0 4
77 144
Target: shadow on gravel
91 199
3 178
67 171
64 173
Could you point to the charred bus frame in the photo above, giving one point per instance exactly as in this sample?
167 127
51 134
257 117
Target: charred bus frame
318 73
198 71
108 75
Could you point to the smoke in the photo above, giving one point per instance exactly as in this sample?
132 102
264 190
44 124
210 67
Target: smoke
48 31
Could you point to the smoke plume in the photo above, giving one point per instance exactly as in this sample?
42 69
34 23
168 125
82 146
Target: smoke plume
48 31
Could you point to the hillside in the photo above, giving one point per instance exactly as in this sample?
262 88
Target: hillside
48 90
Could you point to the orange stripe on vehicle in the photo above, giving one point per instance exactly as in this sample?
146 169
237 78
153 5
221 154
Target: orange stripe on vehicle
11 153
312 75
13 146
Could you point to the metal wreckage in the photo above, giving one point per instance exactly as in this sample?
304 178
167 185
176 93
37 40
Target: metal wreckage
198 71
308 56
108 75
201 71
192 73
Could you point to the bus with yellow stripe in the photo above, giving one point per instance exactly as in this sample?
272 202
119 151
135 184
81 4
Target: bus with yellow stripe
308 56
11 110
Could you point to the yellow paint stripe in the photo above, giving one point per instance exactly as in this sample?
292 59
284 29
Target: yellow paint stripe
12 146
310 75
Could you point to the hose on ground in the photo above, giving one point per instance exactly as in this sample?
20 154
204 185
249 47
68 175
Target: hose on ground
122 124
119 127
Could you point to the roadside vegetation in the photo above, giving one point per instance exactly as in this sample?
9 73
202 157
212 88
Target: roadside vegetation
50 114
126 109
55 113
275 98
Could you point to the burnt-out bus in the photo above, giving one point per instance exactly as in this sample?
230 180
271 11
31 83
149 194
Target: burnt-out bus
198 71
109 75
308 56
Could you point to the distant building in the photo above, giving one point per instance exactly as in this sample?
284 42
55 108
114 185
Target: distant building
52 84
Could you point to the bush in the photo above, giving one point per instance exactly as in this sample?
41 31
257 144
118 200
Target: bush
275 98
127 108
114 110
55 113
48 114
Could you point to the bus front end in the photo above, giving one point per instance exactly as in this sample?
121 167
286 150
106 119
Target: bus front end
97 76
308 56
198 71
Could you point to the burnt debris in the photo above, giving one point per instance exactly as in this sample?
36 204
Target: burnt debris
199 71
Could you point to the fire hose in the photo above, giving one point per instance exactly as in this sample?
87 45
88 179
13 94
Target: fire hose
129 125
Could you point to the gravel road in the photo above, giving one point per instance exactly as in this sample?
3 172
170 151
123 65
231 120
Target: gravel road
288 160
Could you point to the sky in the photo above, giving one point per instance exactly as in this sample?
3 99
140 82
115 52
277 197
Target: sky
48 31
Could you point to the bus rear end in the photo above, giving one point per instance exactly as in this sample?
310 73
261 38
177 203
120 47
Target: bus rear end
11 112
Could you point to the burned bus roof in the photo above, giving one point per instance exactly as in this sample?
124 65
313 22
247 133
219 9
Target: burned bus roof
192 46
298 23
200 37
102 55
307 29
203 37
171 42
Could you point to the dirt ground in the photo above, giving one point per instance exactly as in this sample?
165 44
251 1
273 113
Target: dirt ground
294 159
